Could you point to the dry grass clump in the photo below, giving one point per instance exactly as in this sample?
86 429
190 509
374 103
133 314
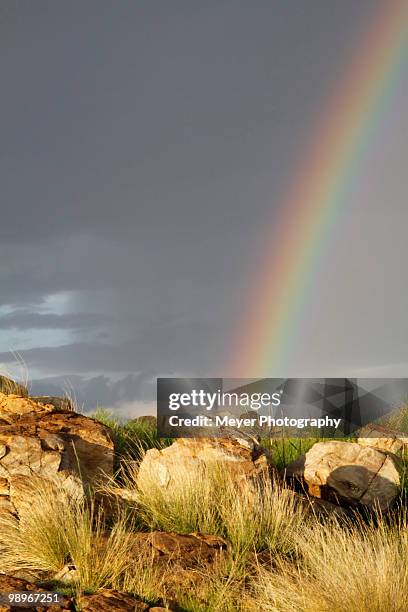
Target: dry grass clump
315 568
341 570
10 387
220 587
55 528
203 588
37 541
190 503
265 516
257 516
146 578
58 527
101 558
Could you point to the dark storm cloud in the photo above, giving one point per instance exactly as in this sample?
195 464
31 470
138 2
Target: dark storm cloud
139 118
98 390
34 320
144 148
165 347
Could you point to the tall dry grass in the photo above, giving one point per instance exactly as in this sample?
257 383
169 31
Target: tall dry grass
146 578
218 588
58 527
101 557
254 516
189 504
353 569
265 516
333 567
37 540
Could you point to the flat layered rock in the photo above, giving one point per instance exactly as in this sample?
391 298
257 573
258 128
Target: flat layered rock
186 550
14 408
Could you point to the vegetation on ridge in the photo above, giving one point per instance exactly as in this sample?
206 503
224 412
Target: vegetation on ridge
281 556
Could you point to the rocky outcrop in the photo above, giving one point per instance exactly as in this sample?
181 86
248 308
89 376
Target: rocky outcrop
351 474
242 458
40 441
383 438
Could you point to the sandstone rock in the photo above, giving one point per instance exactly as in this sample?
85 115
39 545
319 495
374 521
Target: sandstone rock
8 584
322 508
107 600
13 408
60 403
348 473
8 386
185 550
243 459
382 438
183 558
115 501
69 573
39 441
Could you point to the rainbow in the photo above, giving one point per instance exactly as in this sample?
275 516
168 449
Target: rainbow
311 206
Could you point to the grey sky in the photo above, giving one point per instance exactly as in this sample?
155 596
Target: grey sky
144 148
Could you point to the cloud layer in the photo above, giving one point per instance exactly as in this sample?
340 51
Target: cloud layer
145 152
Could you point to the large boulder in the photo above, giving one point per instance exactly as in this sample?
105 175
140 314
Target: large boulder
351 474
243 459
383 438
40 441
